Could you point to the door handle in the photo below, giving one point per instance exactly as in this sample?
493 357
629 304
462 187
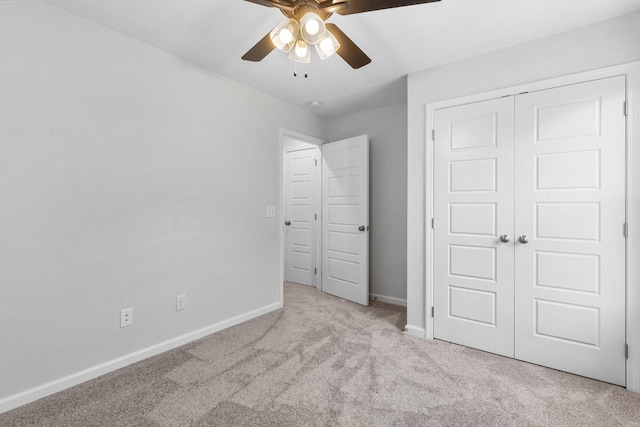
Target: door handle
361 228
287 223
524 239
505 238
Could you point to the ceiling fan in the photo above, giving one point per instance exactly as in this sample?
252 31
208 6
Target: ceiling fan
306 27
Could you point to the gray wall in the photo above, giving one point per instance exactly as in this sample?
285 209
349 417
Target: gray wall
387 130
127 176
608 43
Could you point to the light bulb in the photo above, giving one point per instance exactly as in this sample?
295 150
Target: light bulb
301 50
286 35
327 45
312 27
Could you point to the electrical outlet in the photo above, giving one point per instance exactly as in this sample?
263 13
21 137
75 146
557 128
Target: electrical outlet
126 317
181 302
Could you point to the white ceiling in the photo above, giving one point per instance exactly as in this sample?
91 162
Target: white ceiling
216 33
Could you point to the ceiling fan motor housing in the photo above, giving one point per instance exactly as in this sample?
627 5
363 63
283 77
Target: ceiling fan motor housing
300 8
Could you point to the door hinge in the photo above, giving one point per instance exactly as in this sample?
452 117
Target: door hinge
433 311
625 229
315 271
315 162
626 351
315 217
432 223
626 108
433 135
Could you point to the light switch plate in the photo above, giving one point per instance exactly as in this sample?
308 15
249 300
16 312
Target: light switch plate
271 211
181 302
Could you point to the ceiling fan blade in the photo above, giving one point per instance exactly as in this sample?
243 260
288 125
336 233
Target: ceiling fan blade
260 50
360 6
348 50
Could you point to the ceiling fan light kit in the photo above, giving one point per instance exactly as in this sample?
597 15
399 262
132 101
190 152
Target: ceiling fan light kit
306 27
294 39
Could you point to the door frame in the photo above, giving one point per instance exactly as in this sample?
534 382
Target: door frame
631 71
306 142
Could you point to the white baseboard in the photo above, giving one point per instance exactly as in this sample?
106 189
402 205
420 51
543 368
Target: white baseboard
60 384
414 331
388 300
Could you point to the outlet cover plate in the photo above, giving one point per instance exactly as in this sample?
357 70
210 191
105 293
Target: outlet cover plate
126 317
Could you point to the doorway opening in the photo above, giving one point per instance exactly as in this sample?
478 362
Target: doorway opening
324 215
300 195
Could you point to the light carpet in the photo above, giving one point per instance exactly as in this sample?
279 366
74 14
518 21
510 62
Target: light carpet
323 361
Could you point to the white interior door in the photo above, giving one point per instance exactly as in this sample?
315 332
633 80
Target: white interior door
300 171
570 202
345 219
555 293
473 287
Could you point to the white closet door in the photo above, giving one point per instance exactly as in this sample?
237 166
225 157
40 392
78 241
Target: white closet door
345 219
300 194
570 203
474 206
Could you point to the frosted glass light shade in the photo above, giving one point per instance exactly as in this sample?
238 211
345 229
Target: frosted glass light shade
301 52
284 36
312 28
327 45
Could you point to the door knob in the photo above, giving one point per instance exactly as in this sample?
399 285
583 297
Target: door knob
524 239
287 223
361 228
505 238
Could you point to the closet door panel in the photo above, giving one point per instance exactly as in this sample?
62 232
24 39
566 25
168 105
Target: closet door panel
570 203
474 206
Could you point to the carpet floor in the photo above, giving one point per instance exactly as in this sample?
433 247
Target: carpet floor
323 361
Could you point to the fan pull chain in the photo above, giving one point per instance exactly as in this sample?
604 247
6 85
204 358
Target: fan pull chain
295 73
